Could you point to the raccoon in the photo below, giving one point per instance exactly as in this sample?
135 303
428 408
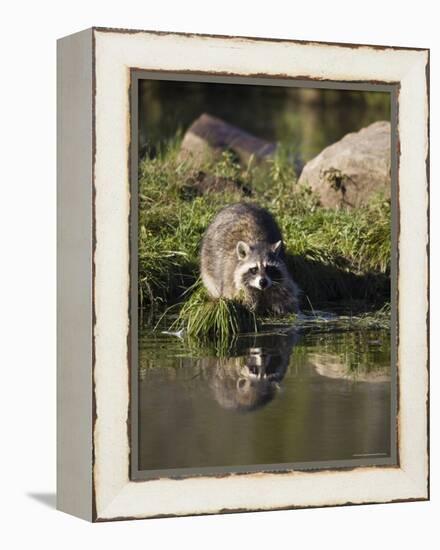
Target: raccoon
242 257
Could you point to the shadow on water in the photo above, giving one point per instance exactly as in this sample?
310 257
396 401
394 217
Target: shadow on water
278 397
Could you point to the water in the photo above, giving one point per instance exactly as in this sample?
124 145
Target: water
283 397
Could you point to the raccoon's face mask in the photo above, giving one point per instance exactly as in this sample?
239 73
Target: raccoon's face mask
258 266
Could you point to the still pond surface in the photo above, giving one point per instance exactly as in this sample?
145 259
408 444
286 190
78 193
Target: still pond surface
286 396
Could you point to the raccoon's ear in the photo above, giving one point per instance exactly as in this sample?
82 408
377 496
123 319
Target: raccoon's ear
276 248
242 250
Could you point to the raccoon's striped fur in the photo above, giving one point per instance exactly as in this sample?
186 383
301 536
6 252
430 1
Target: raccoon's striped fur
242 256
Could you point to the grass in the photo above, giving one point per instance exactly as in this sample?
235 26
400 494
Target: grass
332 254
204 318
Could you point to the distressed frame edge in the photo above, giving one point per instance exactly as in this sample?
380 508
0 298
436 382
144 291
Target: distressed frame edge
428 267
96 518
230 511
351 45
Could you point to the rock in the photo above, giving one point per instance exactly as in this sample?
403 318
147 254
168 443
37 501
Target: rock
209 136
333 366
353 169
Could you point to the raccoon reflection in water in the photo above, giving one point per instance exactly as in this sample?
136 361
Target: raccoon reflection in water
242 256
252 378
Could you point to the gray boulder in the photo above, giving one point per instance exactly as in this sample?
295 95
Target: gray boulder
349 172
209 136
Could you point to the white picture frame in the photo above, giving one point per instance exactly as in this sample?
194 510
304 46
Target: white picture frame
94 216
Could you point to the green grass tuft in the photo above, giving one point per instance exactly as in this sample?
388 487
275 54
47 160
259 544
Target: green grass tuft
204 318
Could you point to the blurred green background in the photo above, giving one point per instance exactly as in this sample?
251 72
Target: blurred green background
308 119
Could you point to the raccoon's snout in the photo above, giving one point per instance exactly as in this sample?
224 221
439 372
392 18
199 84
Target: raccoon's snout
263 283
259 282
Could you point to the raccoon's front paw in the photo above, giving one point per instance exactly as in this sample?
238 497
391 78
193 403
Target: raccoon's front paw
285 308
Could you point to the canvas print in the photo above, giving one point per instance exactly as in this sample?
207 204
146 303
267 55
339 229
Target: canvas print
264 277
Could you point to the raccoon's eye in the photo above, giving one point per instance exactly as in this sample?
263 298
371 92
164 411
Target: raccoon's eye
253 270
